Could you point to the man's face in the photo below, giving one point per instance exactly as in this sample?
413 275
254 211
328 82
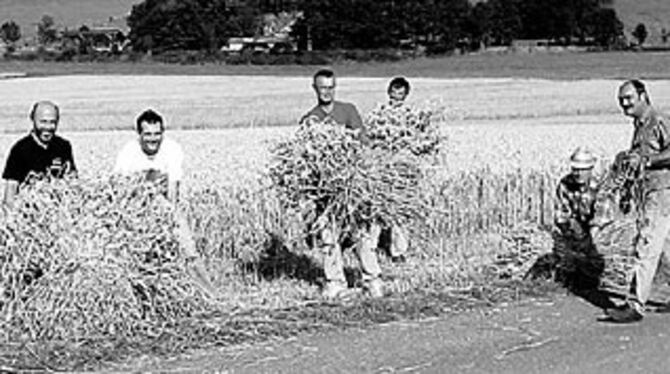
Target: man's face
325 89
582 175
45 121
151 137
632 103
397 95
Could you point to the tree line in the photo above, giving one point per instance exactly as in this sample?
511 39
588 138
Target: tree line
441 25
438 25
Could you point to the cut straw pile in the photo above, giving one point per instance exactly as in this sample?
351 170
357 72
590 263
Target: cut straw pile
328 171
403 128
91 258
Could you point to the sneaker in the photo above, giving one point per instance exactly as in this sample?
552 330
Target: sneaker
334 289
374 288
629 313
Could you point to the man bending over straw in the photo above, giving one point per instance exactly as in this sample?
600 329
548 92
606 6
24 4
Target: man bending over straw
159 159
328 110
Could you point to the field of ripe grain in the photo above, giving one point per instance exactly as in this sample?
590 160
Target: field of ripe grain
492 122
218 102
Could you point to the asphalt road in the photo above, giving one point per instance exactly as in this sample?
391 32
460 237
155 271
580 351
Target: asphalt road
562 335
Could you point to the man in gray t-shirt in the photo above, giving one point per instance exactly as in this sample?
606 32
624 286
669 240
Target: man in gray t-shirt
347 115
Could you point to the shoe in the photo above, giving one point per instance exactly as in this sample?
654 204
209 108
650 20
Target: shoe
401 259
629 313
662 308
334 290
374 288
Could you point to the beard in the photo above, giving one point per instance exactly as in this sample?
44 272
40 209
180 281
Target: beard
44 136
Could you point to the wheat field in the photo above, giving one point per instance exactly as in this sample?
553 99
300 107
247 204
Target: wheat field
505 144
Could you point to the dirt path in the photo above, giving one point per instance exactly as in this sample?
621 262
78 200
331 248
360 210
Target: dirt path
557 336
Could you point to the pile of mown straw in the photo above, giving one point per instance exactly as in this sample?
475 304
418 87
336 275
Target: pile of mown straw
326 170
91 258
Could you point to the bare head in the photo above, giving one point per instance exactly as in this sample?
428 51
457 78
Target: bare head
633 98
45 116
150 129
324 86
398 90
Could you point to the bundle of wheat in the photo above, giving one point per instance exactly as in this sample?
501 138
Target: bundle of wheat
83 258
324 170
403 128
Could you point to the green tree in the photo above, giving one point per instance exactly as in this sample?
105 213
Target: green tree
46 30
640 33
606 28
10 32
384 23
178 24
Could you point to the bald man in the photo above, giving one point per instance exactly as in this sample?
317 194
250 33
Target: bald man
38 153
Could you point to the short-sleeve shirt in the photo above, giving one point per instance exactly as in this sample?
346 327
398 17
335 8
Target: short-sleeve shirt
344 114
651 137
30 156
167 161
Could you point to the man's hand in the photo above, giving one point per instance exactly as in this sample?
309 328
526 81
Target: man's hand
594 231
633 163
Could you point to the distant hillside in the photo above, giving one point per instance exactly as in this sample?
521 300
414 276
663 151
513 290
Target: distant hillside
66 13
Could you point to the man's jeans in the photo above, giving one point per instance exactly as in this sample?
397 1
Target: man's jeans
366 245
399 241
653 241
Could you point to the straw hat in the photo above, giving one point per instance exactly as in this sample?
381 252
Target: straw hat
582 158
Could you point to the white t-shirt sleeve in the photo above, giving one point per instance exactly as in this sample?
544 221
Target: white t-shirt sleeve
124 160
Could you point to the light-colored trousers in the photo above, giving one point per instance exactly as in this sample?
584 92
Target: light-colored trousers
366 245
652 243
399 241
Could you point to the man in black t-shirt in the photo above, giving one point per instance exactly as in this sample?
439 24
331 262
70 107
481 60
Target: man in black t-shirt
40 152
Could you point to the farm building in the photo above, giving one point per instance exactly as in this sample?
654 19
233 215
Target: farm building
98 39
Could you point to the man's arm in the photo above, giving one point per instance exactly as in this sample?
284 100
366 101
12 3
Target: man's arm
69 158
356 123
173 191
661 159
12 175
11 190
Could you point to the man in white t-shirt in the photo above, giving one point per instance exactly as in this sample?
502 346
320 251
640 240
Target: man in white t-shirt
160 160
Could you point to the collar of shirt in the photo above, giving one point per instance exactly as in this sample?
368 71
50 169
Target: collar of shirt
645 118
327 109
38 141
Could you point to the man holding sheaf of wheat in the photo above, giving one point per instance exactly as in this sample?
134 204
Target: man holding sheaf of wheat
159 160
337 113
398 90
41 152
649 156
